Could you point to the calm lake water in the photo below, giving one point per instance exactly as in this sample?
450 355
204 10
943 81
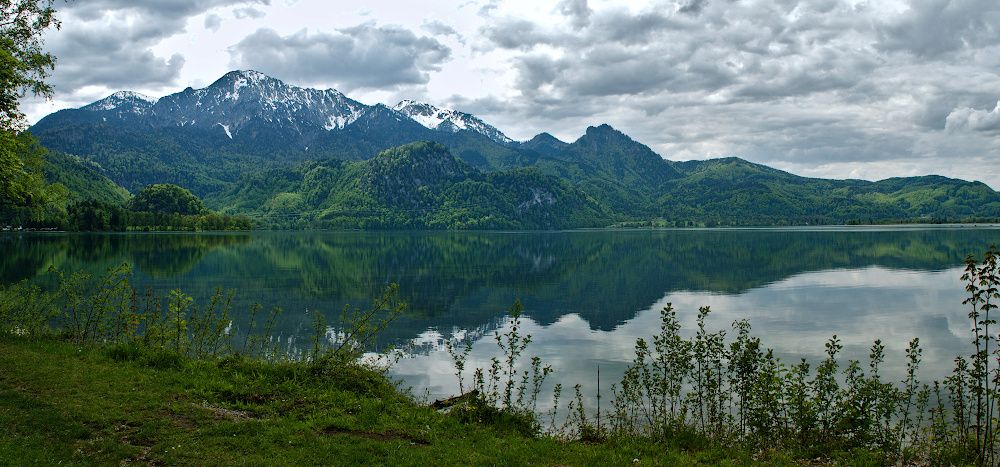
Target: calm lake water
587 294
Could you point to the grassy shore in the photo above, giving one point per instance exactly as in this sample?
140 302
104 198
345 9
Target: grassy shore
63 404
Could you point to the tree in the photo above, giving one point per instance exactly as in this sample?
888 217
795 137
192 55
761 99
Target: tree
24 66
165 198
23 69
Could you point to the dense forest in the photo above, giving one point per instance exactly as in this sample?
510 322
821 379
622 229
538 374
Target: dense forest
56 191
603 179
418 185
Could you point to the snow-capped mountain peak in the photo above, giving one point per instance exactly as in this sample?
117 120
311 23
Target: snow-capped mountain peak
248 99
453 121
251 75
128 101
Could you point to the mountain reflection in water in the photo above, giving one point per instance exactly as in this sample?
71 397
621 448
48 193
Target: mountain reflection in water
593 292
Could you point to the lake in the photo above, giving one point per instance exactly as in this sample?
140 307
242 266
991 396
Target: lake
587 294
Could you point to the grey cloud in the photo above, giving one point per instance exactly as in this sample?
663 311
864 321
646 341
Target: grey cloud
248 12
439 29
732 51
616 27
213 22
692 7
364 56
111 55
489 105
487 7
774 133
522 34
821 70
970 119
534 71
109 42
932 28
154 10
622 27
827 142
934 112
577 11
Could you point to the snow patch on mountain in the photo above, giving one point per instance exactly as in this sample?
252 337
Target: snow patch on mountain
226 128
340 121
453 121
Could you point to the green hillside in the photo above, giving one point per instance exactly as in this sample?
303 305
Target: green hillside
418 185
736 192
622 173
602 179
85 179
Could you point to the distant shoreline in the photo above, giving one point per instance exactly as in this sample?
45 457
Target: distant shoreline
802 228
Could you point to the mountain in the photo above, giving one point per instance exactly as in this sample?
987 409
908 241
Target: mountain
418 185
545 144
246 120
240 101
622 173
292 155
122 105
247 113
733 191
449 120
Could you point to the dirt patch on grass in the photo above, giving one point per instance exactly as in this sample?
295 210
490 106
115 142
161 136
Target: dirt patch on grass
182 421
143 458
378 436
222 413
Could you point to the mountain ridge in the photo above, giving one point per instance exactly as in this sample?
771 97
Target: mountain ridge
220 104
215 139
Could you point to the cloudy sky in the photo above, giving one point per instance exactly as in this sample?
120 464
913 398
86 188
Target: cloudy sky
830 88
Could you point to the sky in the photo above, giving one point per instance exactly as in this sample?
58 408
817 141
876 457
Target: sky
824 88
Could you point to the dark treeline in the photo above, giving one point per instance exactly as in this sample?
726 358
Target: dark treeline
94 216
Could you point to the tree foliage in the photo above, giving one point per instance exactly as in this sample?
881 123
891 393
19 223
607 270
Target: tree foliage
23 64
25 197
16 174
166 198
23 69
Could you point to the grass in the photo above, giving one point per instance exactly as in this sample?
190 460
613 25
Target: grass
60 403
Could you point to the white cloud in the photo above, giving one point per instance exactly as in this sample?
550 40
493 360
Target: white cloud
966 118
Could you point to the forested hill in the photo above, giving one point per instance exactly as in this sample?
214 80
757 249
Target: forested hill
291 156
736 192
418 185
421 185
